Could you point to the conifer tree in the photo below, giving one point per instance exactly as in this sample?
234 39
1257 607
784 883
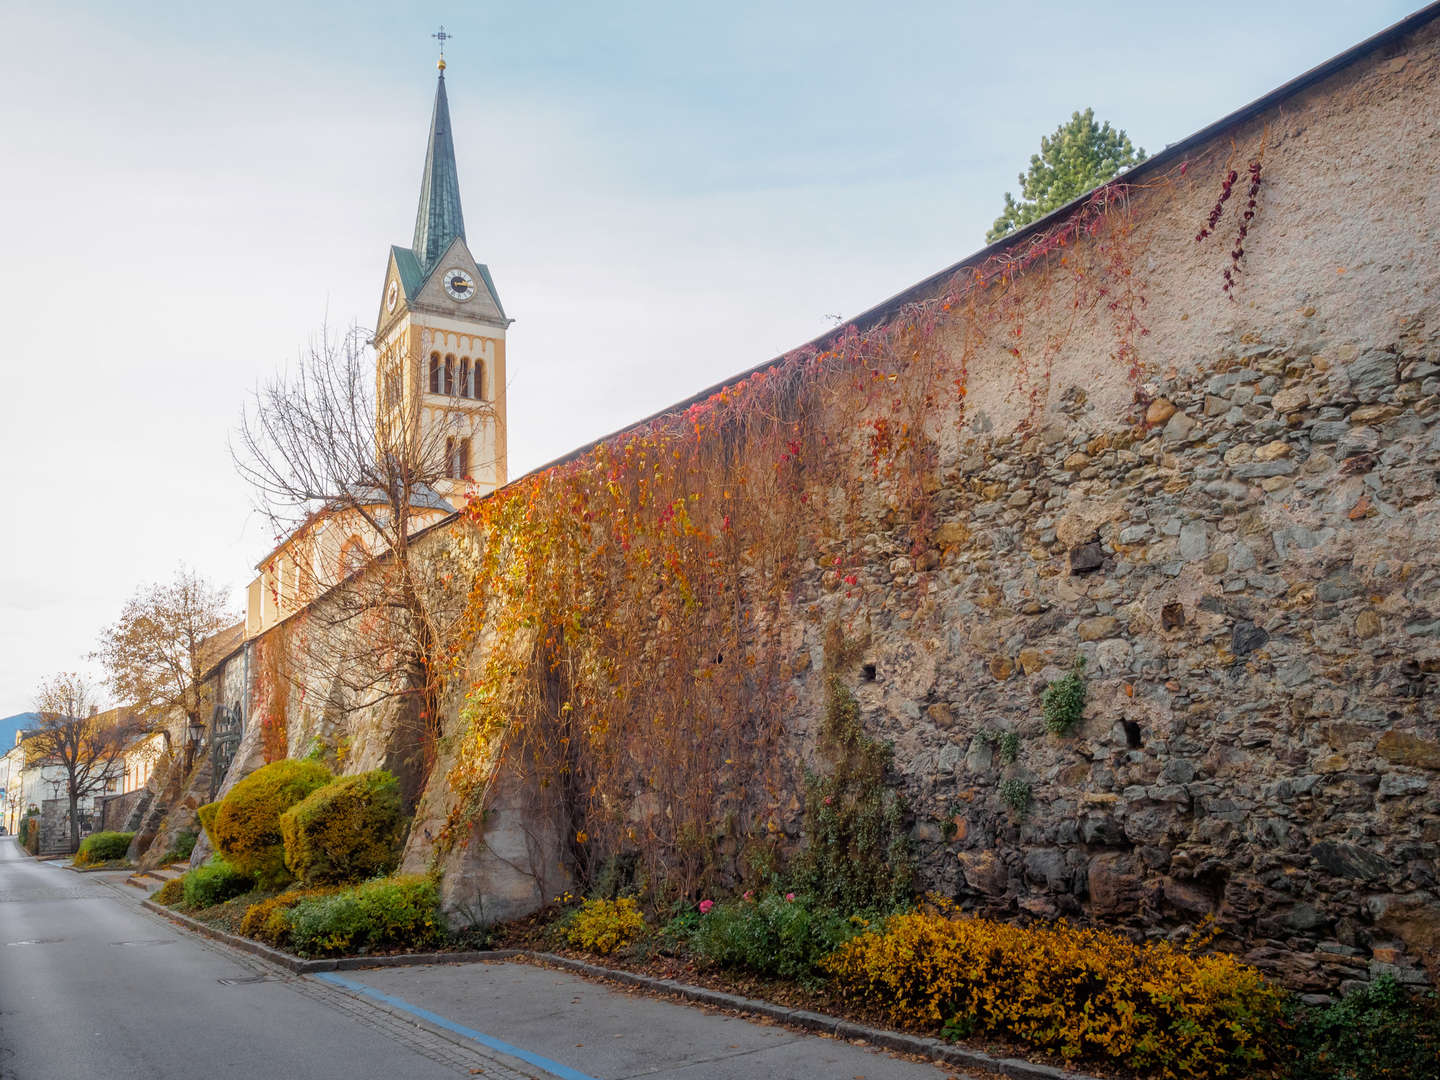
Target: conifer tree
1078 156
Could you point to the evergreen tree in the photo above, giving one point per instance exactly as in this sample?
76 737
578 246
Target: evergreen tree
1079 156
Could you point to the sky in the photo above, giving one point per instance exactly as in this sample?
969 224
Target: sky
666 194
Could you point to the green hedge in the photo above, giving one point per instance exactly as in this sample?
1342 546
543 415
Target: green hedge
214 883
774 936
400 912
246 827
1375 1032
30 833
348 830
103 847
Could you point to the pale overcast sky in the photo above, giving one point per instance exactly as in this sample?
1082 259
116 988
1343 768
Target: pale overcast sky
666 193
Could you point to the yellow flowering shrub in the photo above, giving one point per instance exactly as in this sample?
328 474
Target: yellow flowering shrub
1157 1007
603 926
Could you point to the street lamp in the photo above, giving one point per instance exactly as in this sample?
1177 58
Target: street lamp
192 747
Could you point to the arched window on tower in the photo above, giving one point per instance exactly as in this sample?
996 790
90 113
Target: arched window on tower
457 458
434 372
352 556
480 380
449 375
464 376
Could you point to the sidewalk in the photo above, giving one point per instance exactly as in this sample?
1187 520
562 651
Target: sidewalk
597 1033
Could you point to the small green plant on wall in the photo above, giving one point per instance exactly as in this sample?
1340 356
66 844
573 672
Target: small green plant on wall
1015 793
1006 744
1063 701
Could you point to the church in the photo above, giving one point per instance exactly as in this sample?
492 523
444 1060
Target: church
440 388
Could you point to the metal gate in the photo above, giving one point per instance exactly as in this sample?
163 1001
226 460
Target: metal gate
227 726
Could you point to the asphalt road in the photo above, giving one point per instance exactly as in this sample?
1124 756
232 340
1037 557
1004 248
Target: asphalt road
94 986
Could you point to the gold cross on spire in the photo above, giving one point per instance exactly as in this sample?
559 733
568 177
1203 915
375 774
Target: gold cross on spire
442 37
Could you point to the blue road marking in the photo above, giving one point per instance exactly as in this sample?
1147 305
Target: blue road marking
553 1067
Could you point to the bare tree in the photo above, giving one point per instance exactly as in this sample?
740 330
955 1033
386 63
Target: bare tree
73 735
347 482
155 655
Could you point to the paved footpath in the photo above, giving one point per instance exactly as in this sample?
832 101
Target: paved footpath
92 985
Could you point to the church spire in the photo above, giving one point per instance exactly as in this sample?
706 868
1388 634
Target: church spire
438 219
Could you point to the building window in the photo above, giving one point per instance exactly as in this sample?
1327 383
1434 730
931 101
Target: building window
352 556
457 459
393 387
449 375
434 373
464 376
479 379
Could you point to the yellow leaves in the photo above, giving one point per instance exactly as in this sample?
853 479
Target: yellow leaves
605 925
1077 992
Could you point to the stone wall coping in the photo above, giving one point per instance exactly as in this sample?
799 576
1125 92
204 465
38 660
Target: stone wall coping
934 1049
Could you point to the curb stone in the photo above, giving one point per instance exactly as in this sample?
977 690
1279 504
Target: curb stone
934 1049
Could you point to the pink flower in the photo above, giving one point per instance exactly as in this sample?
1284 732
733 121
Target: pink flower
705 906
789 896
748 895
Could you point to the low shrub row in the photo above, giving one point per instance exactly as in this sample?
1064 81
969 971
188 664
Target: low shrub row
400 912
268 920
1080 993
1375 1032
788 936
214 883
103 847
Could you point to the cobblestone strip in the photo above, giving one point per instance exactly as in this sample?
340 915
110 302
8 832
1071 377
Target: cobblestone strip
446 1049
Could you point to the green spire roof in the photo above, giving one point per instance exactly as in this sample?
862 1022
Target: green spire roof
438 220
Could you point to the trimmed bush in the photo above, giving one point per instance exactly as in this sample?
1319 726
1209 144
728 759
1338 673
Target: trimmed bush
246 828
773 936
171 893
214 883
103 847
348 830
399 912
1373 1033
603 926
206 814
1158 1008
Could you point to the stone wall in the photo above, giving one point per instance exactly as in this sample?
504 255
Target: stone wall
113 812
1252 583
1247 562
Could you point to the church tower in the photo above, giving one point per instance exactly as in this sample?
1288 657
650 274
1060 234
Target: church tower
440 335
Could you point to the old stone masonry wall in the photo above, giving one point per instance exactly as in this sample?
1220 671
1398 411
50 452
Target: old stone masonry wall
1254 586
1226 503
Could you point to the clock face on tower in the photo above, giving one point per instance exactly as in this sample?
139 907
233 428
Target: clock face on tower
392 296
459 284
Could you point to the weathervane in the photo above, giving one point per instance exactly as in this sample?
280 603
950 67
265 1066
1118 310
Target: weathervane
442 37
